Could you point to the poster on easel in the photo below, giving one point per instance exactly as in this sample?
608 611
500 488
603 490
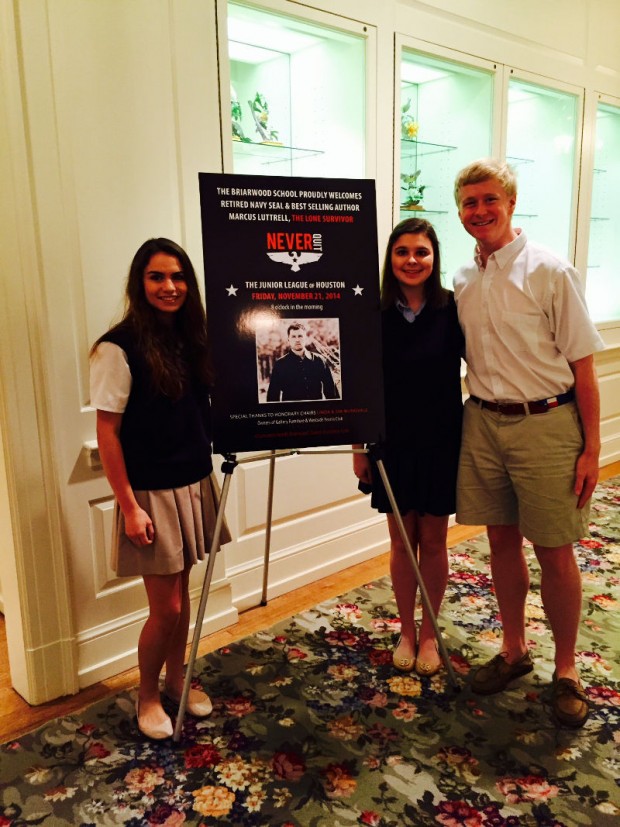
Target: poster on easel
292 291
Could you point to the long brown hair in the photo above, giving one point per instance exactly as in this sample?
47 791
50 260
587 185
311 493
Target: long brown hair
435 293
174 354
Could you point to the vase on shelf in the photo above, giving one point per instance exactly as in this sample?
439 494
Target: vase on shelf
408 124
413 192
235 118
260 113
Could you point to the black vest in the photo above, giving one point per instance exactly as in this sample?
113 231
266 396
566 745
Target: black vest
166 443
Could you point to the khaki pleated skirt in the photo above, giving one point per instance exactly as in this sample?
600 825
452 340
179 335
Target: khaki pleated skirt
184 520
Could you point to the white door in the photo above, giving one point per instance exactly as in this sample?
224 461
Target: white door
112 91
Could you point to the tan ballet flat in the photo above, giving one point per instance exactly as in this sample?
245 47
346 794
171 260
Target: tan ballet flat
198 703
427 670
155 733
401 663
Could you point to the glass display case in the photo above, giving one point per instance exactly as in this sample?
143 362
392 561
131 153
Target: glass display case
541 145
444 121
603 284
297 95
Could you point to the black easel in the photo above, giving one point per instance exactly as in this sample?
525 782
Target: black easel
228 467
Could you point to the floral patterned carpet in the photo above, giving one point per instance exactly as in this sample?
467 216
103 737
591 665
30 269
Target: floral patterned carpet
312 726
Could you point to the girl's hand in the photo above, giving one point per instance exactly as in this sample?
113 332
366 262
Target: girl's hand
361 468
139 528
138 525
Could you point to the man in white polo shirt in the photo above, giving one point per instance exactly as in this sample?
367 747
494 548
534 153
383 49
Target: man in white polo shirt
530 453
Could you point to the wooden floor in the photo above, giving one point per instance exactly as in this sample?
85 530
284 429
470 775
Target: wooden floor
17 717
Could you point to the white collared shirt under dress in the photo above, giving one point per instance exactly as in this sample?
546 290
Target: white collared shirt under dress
409 314
525 319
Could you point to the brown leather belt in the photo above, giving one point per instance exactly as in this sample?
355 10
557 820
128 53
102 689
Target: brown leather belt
523 408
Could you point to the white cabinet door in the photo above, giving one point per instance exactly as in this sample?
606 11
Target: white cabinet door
603 285
446 108
542 143
295 91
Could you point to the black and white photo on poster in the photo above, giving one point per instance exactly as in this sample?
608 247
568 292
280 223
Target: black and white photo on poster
292 289
298 359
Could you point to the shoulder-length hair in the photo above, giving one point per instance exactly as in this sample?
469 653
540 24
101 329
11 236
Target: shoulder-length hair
172 354
435 293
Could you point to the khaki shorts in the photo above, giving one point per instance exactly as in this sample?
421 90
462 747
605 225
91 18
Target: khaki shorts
520 470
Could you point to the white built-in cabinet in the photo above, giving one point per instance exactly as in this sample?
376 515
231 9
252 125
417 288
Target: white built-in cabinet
453 108
294 91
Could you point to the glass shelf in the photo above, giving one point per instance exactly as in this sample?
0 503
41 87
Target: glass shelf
517 161
272 153
526 215
415 149
405 212
599 218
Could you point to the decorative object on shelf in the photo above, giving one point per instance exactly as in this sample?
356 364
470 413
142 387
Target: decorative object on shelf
260 113
408 126
414 192
236 116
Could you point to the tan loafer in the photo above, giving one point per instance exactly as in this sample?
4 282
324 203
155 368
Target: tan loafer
569 702
495 675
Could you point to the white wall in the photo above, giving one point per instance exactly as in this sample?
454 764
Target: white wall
7 547
107 112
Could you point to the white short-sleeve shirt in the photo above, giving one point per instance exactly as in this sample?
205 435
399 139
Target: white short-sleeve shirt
110 378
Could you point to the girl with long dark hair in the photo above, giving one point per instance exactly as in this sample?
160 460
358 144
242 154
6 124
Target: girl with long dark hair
422 346
150 378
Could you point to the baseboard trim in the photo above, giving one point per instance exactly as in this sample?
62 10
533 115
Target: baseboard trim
294 568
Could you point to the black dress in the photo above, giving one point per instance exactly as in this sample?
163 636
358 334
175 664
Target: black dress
423 410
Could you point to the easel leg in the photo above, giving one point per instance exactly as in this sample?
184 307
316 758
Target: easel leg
272 466
228 467
423 593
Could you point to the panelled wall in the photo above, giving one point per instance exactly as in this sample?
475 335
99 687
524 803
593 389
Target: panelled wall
108 111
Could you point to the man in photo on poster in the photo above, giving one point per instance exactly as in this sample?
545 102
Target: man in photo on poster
302 373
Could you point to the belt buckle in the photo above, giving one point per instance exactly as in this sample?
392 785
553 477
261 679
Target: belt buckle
511 408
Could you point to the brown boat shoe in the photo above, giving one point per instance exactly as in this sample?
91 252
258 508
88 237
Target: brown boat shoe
496 674
569 702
